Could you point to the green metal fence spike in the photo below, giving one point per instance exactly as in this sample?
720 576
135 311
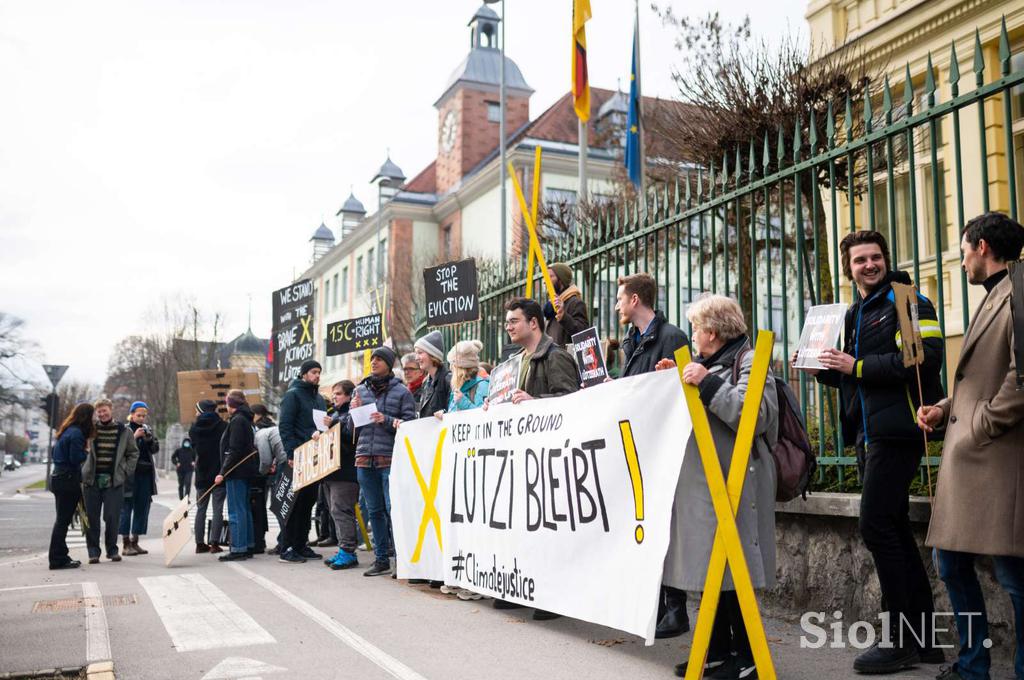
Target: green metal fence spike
711 181
739 165
887 101
636 214
725 170
848 120
686 179
750 167
654 204
929 81
908 91
830 126
665 198
812 137
765 156
979 60
867 110
797 140
1004 49
954 68
675 203
780 150
700 184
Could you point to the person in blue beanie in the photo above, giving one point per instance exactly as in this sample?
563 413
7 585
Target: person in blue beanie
140 489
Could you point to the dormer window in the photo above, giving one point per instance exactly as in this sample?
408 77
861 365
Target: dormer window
493 112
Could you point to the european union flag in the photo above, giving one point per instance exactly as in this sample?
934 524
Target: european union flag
634 152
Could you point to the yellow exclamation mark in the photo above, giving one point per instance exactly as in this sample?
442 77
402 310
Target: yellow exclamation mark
629 447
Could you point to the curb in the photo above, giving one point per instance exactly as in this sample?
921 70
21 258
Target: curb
101 670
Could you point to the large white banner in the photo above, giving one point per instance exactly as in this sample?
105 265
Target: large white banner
561 504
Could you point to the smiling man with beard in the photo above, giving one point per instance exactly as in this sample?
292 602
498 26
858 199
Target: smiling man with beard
879 402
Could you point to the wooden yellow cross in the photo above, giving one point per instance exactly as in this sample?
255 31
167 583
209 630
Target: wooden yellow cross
726 499
531 226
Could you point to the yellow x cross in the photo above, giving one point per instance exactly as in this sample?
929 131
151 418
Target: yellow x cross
430 514
727 546
306 334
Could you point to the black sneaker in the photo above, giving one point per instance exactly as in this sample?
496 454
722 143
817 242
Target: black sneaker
505 604
544 615
736 668
233 557
879 660
378 569
308 553
290 556
709 665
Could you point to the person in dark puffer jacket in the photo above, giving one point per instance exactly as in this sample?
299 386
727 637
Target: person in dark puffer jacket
879 398
374 443
239 466
205 435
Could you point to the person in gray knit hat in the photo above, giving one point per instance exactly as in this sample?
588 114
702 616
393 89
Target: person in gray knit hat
436 390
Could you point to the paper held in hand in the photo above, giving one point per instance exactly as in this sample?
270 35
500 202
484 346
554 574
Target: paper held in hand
821 331
318 420
361 415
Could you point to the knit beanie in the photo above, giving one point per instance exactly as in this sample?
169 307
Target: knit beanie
466 354
136 405
308 365
433 344
563 273
385 354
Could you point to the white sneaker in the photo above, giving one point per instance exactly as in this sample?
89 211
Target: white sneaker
468 595
450 590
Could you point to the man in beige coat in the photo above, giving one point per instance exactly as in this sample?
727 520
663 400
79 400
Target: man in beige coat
979 502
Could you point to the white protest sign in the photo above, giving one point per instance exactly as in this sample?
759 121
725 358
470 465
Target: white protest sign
361 415
318 420
821 331
549 502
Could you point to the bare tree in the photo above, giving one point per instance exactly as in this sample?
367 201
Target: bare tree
72 392
13 348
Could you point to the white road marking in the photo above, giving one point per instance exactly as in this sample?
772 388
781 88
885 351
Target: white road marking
199 615
378 656
97 636
241 667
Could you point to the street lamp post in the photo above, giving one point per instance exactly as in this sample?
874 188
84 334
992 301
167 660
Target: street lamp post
54 373
501 136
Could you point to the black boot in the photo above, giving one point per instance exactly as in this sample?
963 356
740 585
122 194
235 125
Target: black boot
674 621
878 660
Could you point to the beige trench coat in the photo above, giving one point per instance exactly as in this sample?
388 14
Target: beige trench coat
979 500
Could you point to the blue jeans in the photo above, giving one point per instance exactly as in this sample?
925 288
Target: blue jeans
240 516
957 571
135 513
373 482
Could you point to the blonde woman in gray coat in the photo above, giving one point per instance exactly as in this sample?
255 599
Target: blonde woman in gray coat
719 338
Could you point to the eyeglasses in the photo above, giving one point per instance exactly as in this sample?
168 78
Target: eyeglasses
511 322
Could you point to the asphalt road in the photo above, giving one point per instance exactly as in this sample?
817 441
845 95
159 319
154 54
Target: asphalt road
261 618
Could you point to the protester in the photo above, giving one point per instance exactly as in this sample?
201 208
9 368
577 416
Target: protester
205 435
719 337
414 375
140 487
469 391
650 339
296 428
436 389
70 451
184 460
112 459
342 485
879 397
567 314
374 443
273 460
239 465
547 371
980 493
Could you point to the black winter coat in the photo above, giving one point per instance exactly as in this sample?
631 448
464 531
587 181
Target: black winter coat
296 424
880 399
239 441
574 320
347 471
660 343
144 480
435 393
205 435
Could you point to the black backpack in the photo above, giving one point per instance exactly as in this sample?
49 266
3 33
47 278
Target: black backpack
795 462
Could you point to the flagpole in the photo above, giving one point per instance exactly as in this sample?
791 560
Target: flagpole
582 193
640 106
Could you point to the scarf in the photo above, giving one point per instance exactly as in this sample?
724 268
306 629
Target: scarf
563 297
378 384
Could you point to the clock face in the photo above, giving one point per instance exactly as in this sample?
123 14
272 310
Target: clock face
448 130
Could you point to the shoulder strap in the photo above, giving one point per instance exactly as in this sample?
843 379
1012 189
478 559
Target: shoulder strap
737 364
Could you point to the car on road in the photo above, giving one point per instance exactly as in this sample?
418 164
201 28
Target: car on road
10 463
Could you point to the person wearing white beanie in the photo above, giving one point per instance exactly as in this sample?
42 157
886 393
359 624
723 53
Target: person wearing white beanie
436 390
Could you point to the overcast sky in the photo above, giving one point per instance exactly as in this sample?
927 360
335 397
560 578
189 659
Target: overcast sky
189 147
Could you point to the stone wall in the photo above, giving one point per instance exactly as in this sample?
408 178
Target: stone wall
823 566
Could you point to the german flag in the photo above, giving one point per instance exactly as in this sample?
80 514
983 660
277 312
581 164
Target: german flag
580 80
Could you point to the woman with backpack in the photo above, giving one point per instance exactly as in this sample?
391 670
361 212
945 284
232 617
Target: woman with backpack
721 370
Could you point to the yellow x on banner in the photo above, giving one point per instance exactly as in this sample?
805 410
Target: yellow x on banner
532 228
430 514
725 500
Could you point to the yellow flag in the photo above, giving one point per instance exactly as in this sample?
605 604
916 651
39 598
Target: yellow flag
580 79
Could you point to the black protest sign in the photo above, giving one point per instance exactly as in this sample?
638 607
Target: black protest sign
451 293
505 380
283 497
586 346
293 329
354 335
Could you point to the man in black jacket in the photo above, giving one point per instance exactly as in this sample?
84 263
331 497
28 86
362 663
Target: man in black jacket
649 340
296 428
205 435
879 398
184 460
240 464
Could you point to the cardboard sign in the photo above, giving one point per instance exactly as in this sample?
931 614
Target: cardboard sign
910 324
505 380
177 530
292 330
602 503
194 386
354 335
821 331
586 346
282 497
451 293
317 458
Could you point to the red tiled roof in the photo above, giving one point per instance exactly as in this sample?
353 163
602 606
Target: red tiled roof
425 182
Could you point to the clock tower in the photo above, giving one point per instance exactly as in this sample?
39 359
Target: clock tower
468 109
